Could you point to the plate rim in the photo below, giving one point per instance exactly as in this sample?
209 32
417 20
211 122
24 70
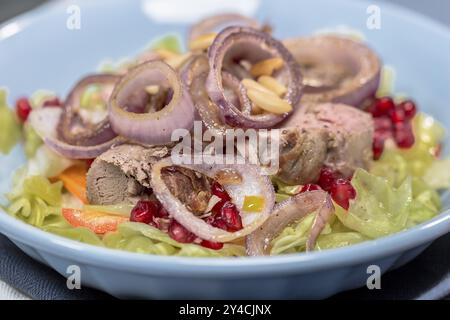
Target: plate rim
225 267
40 240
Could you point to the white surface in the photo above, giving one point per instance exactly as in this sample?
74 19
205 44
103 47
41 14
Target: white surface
9 293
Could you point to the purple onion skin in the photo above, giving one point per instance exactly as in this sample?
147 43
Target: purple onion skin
150 128
270 47
252 178
93 134
81 152
288 212
359 58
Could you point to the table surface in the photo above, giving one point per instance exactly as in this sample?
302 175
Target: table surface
436 9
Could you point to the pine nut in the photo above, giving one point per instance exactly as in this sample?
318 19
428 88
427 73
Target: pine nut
273 85
202 42
152 89
269 101
252 84
266 67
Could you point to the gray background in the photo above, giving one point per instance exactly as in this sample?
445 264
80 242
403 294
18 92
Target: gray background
437 9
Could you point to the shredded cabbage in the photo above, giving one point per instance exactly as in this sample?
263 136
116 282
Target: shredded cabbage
92 100
428 130
45 163
48 163
139 237
283 190
293 238
387 82
9 125
426 202
396 164
438 174
78 234
123 209
338 239
38 199
38 98
32 141
169 42
379 209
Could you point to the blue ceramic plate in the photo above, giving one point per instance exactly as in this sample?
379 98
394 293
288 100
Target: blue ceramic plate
37 50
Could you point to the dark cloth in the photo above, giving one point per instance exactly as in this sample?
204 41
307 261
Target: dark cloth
36 280
426 277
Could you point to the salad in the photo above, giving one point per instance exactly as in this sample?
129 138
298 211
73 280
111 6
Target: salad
119 162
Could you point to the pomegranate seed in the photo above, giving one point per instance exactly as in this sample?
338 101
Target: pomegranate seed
211 244
398 116
383 124
409 108
373 110
231 216
377 147
143 212
225 215
217 208
327 178
162 224
310 187
179 233
342 191
384 106
89 162
54 102
23 109
162 212
404 136
217 223
218 190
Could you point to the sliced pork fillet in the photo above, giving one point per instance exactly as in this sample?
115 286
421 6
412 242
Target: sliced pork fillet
190 187
122 174
302 154
345 133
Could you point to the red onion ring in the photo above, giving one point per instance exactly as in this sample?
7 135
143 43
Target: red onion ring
82 152
358 58
92 134
194 75
251 45
288 212
254 183
45 122
212 22
150 128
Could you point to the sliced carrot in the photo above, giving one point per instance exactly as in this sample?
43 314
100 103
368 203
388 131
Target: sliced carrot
74 180
99 222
